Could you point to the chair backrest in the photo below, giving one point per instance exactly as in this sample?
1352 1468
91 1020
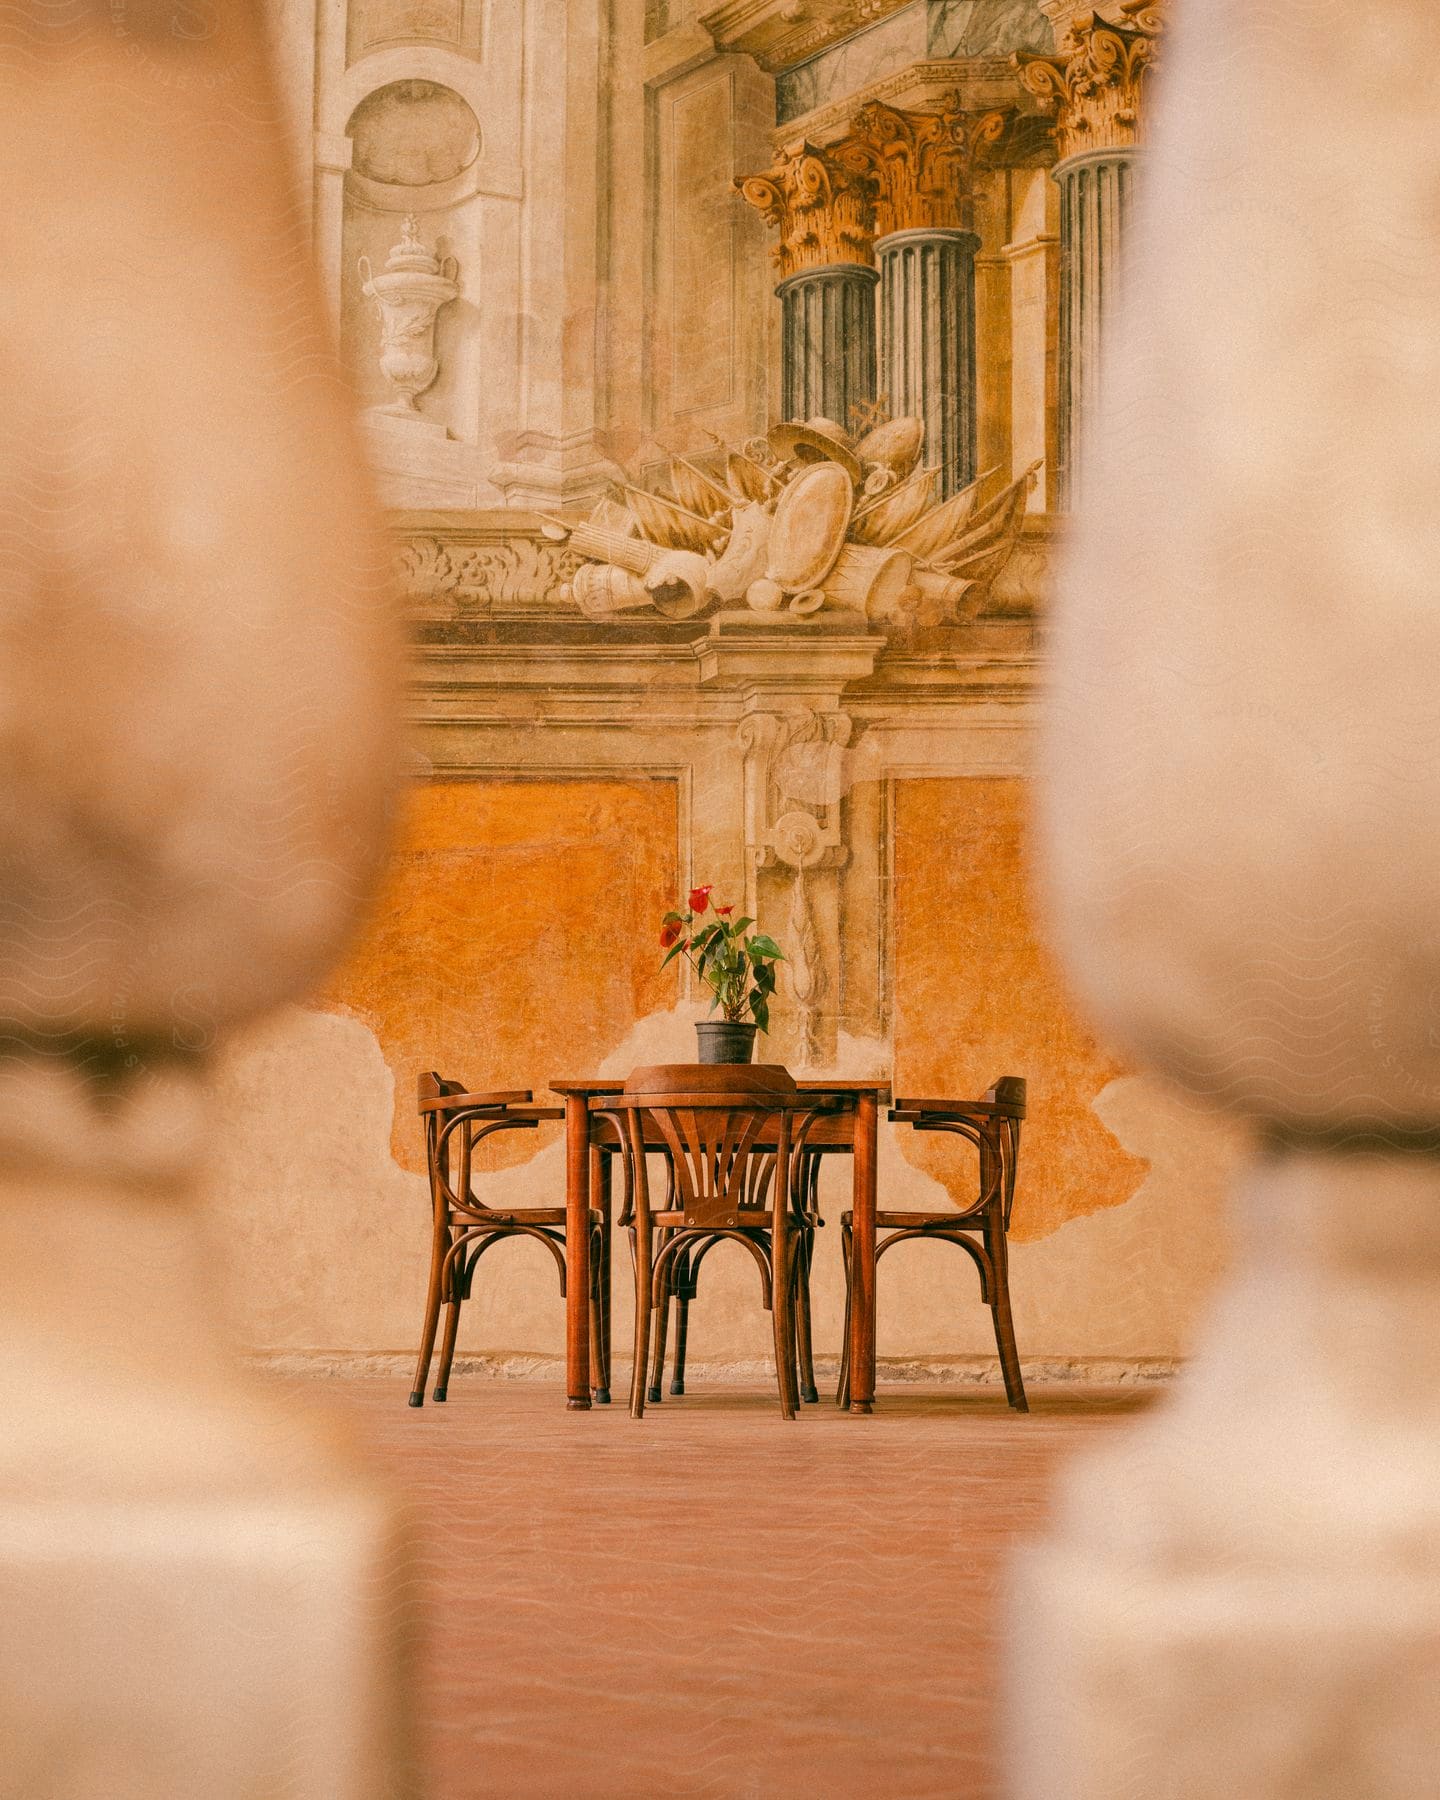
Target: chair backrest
727 1132
456 1121
718 1078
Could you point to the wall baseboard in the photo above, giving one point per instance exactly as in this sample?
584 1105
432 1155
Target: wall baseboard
958 1371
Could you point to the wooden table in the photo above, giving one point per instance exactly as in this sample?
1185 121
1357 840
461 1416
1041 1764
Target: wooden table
589 1146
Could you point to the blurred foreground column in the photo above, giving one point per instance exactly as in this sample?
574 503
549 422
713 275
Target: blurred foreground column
1241 787
200 1595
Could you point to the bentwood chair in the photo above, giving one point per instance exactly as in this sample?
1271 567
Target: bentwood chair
681 1284
733 1140
456 1123
992 1125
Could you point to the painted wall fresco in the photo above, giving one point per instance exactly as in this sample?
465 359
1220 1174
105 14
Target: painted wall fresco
850 66
512 938
858 772
978 996
987 27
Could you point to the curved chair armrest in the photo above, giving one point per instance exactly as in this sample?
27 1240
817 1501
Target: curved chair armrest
501 1101
918 1112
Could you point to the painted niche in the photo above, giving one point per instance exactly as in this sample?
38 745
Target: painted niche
413 134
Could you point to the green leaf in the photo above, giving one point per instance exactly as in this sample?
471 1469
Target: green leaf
765 978
674 918
760 1007
672 953
764 947
742 925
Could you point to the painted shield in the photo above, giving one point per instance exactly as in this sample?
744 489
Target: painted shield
811 519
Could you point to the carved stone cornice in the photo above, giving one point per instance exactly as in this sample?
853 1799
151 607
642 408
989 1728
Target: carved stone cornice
982 83
821 205
1094 84
781 33
470 564
921 162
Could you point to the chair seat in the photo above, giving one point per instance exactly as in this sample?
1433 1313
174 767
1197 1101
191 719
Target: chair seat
912 1221
520 1215
762 1221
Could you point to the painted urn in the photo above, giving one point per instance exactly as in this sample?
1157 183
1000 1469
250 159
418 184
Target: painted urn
408 294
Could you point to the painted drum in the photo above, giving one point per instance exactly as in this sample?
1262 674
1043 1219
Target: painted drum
870 580
808 533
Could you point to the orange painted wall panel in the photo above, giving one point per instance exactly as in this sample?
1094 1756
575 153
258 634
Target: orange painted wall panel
978 996
515 937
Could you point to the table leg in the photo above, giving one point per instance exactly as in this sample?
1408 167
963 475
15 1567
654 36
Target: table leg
577 1253
862 1264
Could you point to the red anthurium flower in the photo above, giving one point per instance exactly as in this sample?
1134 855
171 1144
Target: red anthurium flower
700 898
724 911
670 933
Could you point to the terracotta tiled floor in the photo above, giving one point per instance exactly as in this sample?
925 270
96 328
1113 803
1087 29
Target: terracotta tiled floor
712 1602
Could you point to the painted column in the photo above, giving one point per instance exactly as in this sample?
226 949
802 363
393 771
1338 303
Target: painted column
922 166
821 203
927 342
1094 85
1094 202
827 342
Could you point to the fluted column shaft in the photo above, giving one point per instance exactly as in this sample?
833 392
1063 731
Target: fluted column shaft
828 342
1094 204
927 342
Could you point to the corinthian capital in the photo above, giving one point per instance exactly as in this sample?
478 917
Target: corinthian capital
821 204
1094 84
921 162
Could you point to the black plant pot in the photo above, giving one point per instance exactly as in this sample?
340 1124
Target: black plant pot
723 1042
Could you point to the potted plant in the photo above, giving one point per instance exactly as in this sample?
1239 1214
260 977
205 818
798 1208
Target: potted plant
737 964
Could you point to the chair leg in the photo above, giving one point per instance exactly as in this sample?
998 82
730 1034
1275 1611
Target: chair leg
452 1326
682 1332
600 1180
781 1288
640 1249
1000 1309
662 1326
804 1251
602 1393
439 1245
605 1239
599 1388
842 1387
684 1291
